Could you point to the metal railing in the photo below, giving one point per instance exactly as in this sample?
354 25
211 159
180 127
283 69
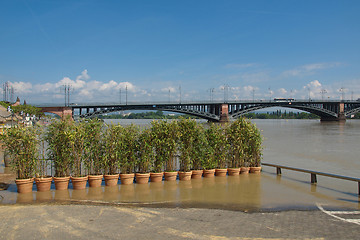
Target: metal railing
313 174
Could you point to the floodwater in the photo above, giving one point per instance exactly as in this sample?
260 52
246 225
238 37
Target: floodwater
307 144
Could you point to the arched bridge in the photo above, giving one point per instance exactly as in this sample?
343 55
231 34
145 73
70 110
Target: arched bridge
216 111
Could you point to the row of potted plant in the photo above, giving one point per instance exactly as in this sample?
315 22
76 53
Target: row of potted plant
90 150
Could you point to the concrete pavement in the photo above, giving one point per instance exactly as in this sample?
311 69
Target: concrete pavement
114 222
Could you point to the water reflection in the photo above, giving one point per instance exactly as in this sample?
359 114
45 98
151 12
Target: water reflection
95 193
207 191
61 195
80 194
43 196
111 193
25 198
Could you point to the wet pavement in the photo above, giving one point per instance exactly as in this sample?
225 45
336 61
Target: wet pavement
114 222
252 193
253 206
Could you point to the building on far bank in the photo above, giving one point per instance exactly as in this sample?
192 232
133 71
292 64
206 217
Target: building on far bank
7 119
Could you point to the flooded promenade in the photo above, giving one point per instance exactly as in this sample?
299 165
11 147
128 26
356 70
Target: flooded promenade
249 206
307 144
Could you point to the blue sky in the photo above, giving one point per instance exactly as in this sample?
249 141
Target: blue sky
257 49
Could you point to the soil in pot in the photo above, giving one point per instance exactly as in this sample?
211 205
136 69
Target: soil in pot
127 178
156 177
43 184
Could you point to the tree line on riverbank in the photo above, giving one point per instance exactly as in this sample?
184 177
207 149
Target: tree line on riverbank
145 115
160 115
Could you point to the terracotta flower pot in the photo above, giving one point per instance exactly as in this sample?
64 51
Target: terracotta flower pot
79 183
156 177
208 173
61 183
255 169
196 174
43 184
142 178
127 178
111 180
233 171
95 180
221 172
244 170
24 185
185 176
170 176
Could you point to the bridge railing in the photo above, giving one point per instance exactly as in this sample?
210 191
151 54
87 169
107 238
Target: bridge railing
313 174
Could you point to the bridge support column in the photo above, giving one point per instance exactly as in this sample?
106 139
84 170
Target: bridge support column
341 114
224 114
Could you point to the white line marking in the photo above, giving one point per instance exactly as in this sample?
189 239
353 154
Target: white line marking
345 212
332 214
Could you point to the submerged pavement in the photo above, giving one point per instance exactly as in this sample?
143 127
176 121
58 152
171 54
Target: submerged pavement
262 206
114 222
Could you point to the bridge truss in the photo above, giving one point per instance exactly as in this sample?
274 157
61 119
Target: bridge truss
216 111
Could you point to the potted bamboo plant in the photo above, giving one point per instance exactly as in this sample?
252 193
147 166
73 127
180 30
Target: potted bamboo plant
199 152
217 140
254 149
22 146
209 162
145 159
235 136
128 147
112 153
42 180
58 151
76 135
94 151
187 130
164 137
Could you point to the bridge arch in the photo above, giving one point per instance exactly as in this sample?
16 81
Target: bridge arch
59 111
317 109
178 109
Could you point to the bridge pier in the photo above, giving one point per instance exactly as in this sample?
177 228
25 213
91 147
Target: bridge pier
224 114
341 115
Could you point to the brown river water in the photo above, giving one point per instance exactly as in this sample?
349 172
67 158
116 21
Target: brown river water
307 144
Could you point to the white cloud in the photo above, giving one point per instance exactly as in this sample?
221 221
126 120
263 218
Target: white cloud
83 76
108 86
308 69
22 87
